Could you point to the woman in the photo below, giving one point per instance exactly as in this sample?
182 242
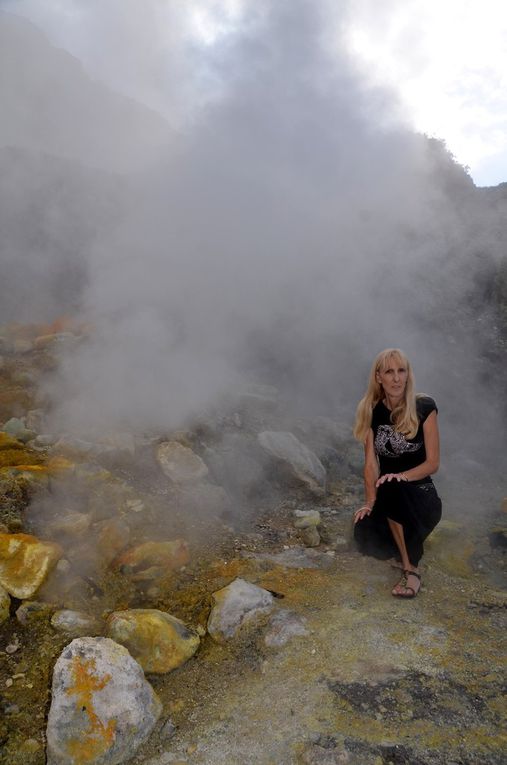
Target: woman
400 434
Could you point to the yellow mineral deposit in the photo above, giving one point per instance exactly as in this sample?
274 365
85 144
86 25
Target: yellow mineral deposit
89 744
25 561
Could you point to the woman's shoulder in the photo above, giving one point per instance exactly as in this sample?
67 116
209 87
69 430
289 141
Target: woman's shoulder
425 406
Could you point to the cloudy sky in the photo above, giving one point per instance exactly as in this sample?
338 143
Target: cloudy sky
446 61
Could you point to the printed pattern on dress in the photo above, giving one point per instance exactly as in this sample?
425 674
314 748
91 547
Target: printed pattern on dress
390 443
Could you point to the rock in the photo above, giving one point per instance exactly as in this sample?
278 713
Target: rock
167 730
113 536
295 557
71 524
238 604
102 706
306 518
35 419
179 463
25 561
22 346
74 446
45 440
17 429
76 623
32 610
504 505
310 536
120 443
498 537
5 605
8 442
304 464
282 626
152 560
157 640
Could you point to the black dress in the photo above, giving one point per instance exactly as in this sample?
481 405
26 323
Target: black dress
414 504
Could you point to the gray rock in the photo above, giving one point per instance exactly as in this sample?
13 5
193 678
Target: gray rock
102 706
236 605
283 626
76 623
16 428
303 463
295 557
310 536
179 463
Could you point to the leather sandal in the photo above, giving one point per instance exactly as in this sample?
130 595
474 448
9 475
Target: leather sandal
409 592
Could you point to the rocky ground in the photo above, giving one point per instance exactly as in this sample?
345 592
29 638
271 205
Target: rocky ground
125 539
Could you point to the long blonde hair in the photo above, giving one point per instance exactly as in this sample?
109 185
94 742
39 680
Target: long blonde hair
404 416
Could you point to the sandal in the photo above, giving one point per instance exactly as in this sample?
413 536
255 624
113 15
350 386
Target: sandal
408 590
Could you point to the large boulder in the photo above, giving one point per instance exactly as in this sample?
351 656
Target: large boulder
102 707
240 603
158 641
303 463
25 561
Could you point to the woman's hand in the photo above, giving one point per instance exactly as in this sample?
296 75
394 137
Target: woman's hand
361 513
391 477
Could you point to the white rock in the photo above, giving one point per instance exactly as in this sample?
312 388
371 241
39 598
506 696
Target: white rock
305 465
236 605
102 706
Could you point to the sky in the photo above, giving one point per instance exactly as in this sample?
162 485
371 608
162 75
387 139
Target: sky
445 62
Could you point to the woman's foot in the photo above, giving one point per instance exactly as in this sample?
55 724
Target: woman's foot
408 586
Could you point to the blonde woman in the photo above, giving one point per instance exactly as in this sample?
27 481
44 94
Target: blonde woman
399 431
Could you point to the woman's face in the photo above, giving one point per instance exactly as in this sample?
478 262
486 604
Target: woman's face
393 378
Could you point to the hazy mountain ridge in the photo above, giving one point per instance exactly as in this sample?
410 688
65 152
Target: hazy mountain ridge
50 104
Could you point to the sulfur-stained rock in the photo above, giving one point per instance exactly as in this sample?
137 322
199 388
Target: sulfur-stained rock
179 463
25 562
5 604
33 610
153 559
76 623
238 604
303 519
304 464
102 706
157 640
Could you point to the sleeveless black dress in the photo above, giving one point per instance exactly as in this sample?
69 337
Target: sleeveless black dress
414 504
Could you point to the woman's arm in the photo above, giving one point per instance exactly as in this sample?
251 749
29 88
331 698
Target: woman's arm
371 471
432 461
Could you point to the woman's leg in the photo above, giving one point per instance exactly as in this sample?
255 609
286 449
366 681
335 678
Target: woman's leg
413 582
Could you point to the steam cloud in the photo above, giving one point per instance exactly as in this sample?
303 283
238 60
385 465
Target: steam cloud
280 227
